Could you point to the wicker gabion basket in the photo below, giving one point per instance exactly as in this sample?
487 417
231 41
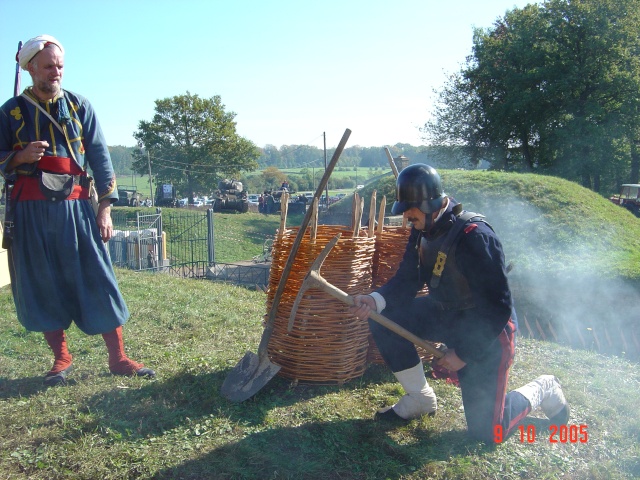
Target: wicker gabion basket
326 344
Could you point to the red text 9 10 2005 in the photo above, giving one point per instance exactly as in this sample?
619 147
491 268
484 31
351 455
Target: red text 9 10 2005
557 434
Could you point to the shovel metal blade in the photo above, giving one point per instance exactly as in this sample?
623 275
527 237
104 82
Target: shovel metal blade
250 374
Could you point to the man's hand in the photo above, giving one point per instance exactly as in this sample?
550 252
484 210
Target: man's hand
362 306
32 153
451 361
103 220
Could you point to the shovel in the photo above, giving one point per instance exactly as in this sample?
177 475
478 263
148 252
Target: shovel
254 371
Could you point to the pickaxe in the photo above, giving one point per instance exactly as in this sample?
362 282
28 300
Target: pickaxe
313 279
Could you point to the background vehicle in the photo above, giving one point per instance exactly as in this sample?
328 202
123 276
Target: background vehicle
231 196
127 196
166 195
629 198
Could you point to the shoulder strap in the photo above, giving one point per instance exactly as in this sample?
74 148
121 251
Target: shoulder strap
46 114
461 221
62 131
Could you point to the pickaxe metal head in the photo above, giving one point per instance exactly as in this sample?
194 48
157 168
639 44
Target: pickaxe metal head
313 279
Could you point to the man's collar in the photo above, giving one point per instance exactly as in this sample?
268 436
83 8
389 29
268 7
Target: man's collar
29 91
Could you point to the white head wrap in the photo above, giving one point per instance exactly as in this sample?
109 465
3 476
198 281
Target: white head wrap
33 46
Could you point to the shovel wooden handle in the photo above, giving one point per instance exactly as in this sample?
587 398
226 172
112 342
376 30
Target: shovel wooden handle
284 276
315 280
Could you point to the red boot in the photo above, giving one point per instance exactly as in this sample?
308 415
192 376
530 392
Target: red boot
63 359
119 363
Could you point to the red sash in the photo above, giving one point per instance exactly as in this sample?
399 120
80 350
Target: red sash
27 187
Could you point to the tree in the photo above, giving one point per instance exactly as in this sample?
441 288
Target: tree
272 178
121 158
551 87
596 79
458 131
192 143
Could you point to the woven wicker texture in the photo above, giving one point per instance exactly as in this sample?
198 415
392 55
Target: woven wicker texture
326 345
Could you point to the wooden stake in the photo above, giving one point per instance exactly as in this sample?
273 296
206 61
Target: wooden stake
372 215
383 207
540 330
358 218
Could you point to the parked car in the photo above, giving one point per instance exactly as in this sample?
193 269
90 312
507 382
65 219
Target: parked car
629 198
253 198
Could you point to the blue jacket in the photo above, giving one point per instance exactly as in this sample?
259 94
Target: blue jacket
478 256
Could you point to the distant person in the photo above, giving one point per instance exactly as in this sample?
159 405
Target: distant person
59 266
469 308
261 203
285 185
269 204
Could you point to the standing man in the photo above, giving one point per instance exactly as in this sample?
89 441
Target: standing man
469 308
269 203
59 267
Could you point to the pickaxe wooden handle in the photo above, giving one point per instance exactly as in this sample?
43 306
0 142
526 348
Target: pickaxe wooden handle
313 279
394 168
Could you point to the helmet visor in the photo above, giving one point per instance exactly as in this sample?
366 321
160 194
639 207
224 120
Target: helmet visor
399 208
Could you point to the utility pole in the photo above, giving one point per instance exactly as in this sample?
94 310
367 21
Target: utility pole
150 184
324 136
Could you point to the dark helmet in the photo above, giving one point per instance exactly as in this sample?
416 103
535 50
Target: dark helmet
418 185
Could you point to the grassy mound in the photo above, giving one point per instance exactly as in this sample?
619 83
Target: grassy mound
547 225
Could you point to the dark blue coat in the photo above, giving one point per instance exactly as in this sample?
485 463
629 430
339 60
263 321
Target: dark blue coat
479 258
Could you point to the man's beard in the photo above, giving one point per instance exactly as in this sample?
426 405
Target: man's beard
49 88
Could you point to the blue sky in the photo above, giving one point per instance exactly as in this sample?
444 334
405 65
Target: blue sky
289 69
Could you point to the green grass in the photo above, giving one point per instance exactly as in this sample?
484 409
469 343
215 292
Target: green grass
194 332
242 236
179 426
237 236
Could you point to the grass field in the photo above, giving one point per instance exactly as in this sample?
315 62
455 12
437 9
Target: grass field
180 427
193 333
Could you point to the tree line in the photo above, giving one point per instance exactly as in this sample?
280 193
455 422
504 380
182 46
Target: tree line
272 160
305 156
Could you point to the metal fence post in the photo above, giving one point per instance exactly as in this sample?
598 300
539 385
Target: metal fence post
160 244
210 242
138 240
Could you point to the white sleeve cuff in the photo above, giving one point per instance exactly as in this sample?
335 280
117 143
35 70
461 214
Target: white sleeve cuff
380 301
